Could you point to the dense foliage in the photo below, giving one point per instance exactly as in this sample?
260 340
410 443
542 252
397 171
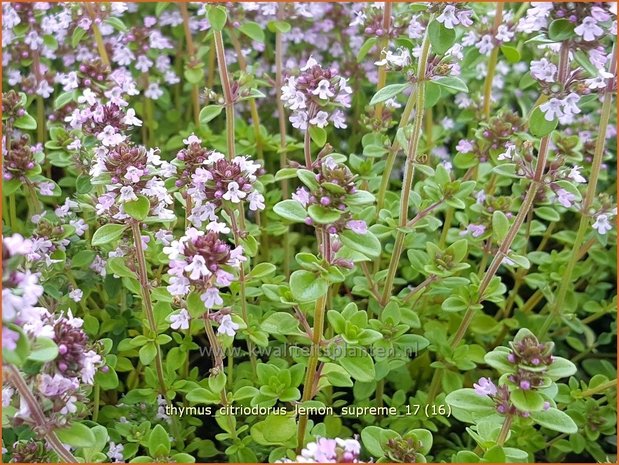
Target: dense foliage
317 232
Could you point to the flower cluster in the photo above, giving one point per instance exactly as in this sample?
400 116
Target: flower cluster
211 180
58 385
313 94
202 261
325 450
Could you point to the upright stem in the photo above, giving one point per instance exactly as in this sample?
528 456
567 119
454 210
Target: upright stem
312 365
393 152
598 154
307 148
409 169
242 285
191 51
16 379
384 43
281 115
253 108
227 89
507 423
97 33
498 18
150 316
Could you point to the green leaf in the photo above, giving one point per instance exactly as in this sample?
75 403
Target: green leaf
368 244
511 53
158 442
26 122
138 209
433 94
539 125
279 428
195 306
468 399
217 16
280 323
555 420
359 365
209 113
147 353
318 135
279 26
500 225
77 435
387 92
194 75
560 30
306 286
365 48
323 215
261 270
253 30
291 210
43 350
452 83
454 304
108 233
375 438
560 368
64 98
441 38
308 178
527 401
116 23
547 213
78 35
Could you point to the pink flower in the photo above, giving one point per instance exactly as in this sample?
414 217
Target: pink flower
485 387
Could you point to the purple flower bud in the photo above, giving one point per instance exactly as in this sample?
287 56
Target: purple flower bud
105 369
309 221
62 349
546 405
524 384
525 414
62 366
325 201
500 408
535 361
332 230
511 358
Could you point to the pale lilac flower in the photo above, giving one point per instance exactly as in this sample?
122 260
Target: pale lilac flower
357 226
76 295
130 118
565 198
465 146
552 109
256 201
588 29
115 452
485 387
602 225
543 70
448 17
211 297
227 326
323 90
302 196
179 320
575 175
321 119
509 152
474 230
234 194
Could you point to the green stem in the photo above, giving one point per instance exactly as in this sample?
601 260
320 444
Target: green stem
384 43
15 377
312 365
598 155
507 423
227 90
97 33
393 152
150 316
498 18
97 400
281 115
598 389
191 51
409 170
